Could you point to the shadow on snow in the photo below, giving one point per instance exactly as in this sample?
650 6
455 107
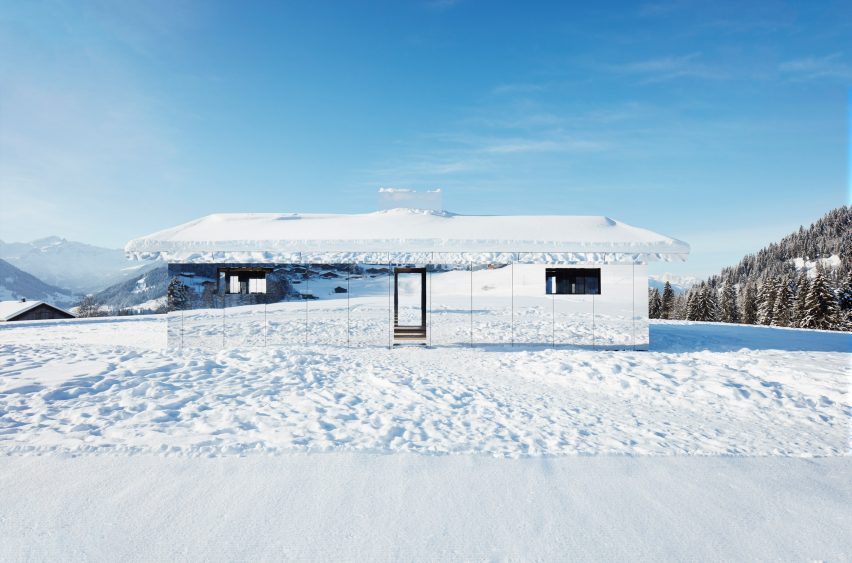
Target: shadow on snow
721 337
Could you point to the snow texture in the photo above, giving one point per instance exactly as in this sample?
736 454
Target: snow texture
113 449
362 507
329 238
107 386
811 267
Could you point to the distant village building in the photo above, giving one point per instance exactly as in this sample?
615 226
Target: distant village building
407 276
23 310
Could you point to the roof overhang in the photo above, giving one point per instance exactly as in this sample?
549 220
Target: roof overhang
405 235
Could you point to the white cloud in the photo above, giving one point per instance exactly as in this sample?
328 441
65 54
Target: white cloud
453 158
440 4
668 68
809 68
518 88
510 146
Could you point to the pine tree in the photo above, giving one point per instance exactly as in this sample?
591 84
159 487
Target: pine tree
766 300
89 307
844 301
678 307
691 305
728 312
702 304
821 309
177 295
826 237
711 304
667 301
682 305
802 286
782 313
655 303
748 304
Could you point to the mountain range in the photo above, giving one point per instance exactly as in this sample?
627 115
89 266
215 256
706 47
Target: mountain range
78 267
16 284
62 272
144 293
680 284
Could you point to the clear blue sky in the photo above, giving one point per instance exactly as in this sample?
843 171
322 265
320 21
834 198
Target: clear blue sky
723 124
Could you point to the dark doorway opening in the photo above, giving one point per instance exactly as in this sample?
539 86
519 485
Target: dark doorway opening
406 328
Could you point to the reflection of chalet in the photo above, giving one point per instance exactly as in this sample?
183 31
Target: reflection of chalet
24 310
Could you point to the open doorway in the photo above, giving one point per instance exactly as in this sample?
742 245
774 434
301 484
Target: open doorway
409 306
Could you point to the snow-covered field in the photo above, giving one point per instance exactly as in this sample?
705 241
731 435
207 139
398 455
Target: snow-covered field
407 507
109 386
117 448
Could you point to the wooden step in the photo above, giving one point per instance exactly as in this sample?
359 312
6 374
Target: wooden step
409 333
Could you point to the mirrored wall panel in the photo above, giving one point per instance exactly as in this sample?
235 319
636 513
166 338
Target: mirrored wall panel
492 303
441 303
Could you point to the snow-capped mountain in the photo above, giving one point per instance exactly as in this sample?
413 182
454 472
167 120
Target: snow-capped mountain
82 268
144 293
16 284
679 283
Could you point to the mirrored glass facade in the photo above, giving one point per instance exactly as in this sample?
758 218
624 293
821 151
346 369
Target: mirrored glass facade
385 303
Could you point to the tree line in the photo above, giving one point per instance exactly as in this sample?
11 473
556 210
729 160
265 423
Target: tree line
803 303
768 288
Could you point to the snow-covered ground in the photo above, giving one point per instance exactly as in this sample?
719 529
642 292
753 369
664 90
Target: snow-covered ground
107 385
116 448
405 507
812 266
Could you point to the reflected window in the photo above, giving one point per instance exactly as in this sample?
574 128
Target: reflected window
257 285
573 281
244 282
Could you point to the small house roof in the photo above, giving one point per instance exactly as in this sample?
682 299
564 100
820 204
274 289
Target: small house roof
11 309
271 235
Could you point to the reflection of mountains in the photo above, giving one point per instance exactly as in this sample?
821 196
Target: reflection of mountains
284 282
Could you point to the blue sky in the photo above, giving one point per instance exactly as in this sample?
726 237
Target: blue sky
723 124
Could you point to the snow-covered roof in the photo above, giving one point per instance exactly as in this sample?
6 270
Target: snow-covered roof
247 237
11 309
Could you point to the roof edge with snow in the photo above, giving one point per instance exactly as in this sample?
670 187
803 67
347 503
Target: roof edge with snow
430 236
11 309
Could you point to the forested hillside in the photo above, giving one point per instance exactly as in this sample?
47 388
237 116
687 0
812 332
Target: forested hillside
804 280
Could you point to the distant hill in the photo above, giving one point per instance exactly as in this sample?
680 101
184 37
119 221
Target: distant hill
82 268
144 293
825 242
16 284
